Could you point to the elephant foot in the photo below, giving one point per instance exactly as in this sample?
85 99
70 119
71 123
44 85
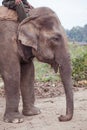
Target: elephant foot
32 111
13 117
65 118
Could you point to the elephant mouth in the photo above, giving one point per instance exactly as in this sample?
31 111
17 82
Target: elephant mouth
54 65
51 62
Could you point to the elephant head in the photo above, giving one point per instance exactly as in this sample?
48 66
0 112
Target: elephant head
44 33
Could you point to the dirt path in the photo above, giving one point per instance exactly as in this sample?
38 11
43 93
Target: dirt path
48 119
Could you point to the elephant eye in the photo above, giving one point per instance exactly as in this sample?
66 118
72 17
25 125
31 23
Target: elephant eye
53 41
56 38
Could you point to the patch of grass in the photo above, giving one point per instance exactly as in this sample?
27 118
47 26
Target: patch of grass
44 73
76 50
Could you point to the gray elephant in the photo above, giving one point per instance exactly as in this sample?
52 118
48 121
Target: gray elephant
43 32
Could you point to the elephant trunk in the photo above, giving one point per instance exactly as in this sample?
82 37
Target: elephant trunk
65 73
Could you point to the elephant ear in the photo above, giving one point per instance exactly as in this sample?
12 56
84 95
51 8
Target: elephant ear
27 35
30 27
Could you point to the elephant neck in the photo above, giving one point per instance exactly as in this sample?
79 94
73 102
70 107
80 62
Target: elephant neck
25 53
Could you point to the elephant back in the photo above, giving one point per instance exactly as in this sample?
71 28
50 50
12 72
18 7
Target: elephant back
8 14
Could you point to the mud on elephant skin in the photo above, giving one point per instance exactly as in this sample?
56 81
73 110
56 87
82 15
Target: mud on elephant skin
43 32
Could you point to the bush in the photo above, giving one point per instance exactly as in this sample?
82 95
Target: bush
80 67
79 64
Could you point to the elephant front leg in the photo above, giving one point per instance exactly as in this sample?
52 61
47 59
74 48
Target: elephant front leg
65 73
11 79
27 89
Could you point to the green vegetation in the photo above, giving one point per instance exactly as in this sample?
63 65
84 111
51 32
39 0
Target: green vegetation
44 72
79 62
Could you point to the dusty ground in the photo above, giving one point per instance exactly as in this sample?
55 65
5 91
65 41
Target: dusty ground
51 108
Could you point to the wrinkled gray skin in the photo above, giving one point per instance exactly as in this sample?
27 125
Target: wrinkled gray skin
43 32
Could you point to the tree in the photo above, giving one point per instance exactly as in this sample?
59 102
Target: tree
78 34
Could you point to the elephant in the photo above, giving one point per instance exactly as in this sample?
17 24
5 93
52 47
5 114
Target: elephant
40 35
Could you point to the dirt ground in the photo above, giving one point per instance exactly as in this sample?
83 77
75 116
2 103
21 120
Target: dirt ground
51 108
